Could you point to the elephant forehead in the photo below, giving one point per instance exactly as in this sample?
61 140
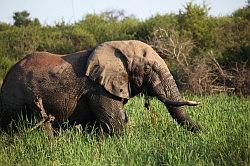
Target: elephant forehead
137 52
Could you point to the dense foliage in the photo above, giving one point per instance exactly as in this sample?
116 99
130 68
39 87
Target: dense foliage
227 37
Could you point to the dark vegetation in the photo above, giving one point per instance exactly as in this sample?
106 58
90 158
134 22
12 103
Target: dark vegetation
205 53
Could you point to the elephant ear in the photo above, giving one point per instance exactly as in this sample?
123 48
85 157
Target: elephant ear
107 66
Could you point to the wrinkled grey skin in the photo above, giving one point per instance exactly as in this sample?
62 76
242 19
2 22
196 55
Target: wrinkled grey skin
69 95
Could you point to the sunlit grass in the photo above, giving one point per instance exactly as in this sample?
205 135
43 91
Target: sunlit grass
152 138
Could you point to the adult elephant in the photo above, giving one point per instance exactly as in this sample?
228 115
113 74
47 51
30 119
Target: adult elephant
91 86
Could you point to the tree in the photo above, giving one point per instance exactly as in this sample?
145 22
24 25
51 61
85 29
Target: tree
195 23
22 19
4 26
113 15
243 13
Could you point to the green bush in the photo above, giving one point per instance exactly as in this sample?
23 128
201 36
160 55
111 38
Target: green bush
105 29
19 41
5 64
65 39
226 37
24 40
146 28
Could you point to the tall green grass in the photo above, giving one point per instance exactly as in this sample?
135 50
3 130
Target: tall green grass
152 138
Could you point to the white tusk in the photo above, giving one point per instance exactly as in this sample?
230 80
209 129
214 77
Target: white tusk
193 103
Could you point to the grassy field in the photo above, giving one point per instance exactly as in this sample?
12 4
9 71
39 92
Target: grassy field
152 138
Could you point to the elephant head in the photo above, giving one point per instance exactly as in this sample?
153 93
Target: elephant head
126 68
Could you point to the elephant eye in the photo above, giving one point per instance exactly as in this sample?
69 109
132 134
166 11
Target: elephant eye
147 69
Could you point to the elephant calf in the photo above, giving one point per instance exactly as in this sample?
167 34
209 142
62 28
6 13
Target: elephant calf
90 86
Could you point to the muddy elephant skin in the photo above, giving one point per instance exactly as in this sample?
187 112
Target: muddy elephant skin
90 86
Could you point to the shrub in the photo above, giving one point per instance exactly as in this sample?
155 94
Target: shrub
213 51
105 29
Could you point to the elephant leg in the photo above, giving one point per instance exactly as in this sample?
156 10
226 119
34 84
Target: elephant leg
108 111
83 115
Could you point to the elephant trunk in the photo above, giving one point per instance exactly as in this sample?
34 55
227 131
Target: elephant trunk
167 92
